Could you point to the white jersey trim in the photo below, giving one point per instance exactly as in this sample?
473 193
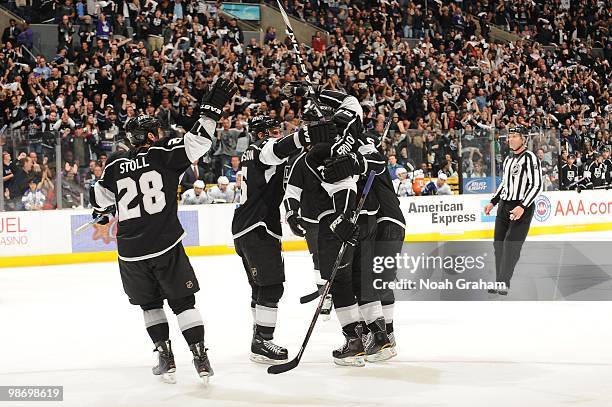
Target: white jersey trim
254 226
267 156
393 220
150 256
104 197
195 145
310 220
325 213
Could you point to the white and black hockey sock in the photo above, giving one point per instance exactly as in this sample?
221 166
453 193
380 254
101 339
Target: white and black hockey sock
388 312
349 318
370 312
265 319
156 324
192 327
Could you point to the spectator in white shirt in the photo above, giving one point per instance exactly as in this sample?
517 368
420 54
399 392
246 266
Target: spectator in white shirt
33 199
443 188
402 185
222 192
196 195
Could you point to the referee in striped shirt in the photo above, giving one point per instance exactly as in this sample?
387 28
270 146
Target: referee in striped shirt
521 184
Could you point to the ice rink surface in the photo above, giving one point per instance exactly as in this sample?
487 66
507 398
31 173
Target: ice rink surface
73 326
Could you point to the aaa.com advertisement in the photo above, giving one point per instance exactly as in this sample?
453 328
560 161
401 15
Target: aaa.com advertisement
570 207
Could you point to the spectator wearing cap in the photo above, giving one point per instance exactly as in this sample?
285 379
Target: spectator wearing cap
196 195
402 184
222 192
33 199
442 185
437 187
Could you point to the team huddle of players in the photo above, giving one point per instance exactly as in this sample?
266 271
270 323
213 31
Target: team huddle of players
317 173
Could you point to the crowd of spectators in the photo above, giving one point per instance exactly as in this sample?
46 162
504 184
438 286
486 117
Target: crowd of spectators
549 22
453 92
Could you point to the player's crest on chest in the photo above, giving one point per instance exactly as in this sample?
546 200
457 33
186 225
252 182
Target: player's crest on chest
570 175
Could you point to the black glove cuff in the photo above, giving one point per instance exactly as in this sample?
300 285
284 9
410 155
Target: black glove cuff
209 110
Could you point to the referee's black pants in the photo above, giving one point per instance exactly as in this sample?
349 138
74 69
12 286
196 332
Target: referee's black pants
509 238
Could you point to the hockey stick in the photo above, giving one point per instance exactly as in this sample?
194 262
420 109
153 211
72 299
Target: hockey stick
285 367
88 224
298 57
605 186
388 125
573 184
314 295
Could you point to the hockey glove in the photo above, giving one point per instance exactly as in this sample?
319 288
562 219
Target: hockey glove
317 133
345 230
295 222
292 89
344 166
214 101
105 213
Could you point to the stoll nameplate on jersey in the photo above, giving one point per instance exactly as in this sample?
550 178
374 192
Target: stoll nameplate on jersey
133 165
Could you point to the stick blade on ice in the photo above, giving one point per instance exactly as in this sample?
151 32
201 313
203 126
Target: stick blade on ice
285 367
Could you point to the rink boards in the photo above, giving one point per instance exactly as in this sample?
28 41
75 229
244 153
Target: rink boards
46 237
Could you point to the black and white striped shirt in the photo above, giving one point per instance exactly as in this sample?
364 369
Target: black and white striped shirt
522 179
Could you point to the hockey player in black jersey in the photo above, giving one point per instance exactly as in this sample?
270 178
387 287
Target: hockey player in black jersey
607 162
570 173
301 215
302 211
595 173
390 228
256 226
366 340
142 184
390 231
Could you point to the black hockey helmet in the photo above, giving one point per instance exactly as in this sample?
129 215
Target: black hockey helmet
137 129
261 124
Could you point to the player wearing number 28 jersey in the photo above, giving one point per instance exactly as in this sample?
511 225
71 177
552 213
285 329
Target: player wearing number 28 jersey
140 187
